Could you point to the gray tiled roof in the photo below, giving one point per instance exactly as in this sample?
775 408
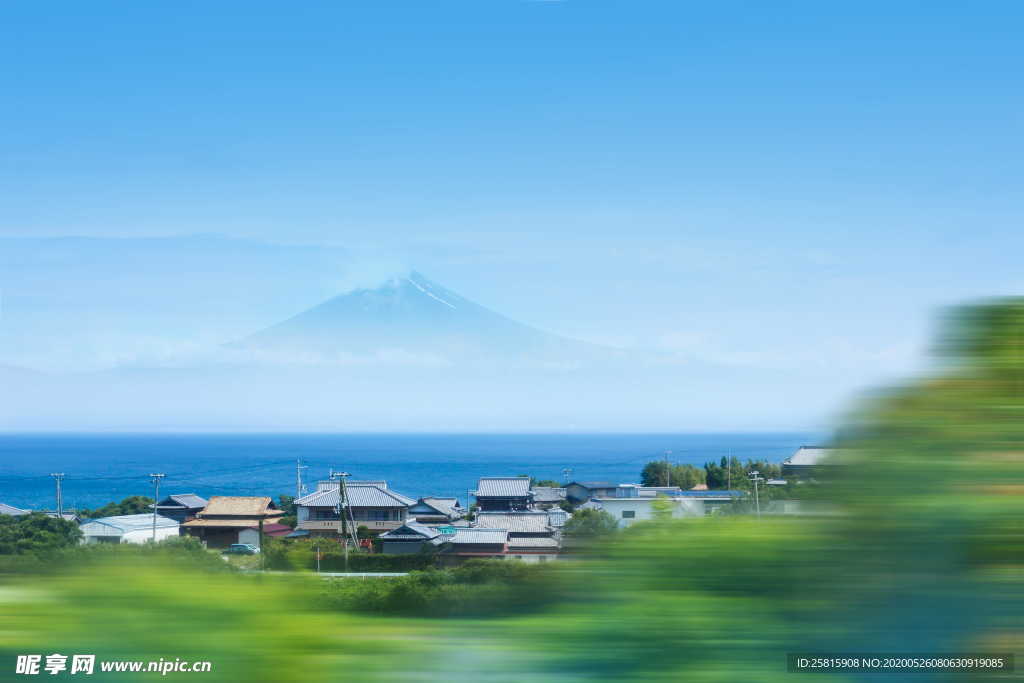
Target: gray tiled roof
548 494
182 500
411 531
358 496
475 536
439 506
515 522
324 484
503 487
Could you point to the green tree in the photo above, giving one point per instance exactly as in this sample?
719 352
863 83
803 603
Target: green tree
735 474
287 504
590 523
132 505
36 533
660 473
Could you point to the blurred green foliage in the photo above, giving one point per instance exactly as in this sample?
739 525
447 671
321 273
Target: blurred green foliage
478 588
131 605
299 554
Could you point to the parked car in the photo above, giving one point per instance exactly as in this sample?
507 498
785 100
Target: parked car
241 549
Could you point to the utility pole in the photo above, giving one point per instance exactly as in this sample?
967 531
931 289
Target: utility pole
156 498
298 477
755 477
58 477
343 511
668 469
728 468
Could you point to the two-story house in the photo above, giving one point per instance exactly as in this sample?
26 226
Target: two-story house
372 505
503 493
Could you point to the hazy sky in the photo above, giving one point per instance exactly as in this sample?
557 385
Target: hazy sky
781 184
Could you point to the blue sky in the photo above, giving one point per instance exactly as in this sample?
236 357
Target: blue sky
783 184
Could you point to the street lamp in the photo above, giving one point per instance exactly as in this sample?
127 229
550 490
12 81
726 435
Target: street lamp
755 477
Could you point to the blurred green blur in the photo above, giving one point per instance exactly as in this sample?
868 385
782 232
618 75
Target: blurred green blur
918 546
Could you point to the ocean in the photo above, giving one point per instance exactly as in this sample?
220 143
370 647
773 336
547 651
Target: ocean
100 468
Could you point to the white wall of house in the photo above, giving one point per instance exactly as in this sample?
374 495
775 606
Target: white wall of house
97 533
144 535
627 511
532 558
250 536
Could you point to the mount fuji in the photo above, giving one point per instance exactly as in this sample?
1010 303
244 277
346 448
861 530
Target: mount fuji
412 315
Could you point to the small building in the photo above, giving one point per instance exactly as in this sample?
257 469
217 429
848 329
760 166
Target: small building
413 537
181 506
276 530
531 537
533 549
233 519
547 497
503 493
128 529
436 510
372 505
808 462
628 510
581 491
474 543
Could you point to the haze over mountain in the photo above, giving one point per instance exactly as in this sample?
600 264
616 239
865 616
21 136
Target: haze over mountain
411 317
408 355
207 332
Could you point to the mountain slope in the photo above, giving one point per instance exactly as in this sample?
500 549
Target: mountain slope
414 315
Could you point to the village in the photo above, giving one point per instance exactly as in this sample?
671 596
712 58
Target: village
515 518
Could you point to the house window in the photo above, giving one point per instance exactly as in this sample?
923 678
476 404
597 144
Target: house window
628 514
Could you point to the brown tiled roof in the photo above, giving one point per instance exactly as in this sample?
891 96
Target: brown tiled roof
240 506
237 522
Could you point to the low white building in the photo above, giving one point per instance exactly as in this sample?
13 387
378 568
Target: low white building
636 503
128 529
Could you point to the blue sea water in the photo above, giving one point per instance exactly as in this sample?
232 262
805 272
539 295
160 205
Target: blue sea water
102 468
